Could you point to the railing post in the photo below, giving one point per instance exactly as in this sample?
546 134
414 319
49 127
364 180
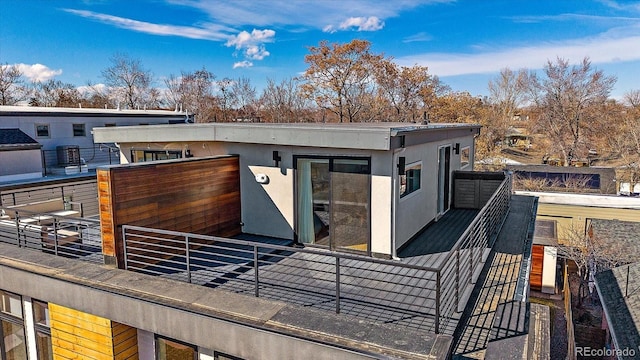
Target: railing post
337 285
124 246
471 263
55 236
18 228
438 291
188 257
457 279
256 276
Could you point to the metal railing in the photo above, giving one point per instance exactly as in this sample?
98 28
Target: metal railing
98 154
54 233
389 291
79 195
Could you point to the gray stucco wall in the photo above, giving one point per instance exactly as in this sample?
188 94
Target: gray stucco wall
20 164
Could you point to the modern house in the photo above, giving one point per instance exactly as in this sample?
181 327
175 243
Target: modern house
65 133
275 240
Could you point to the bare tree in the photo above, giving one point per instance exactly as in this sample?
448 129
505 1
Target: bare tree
565 97
11 90
244 98
127 77
193 91
591 255
339 75
225 99
283 102
55 93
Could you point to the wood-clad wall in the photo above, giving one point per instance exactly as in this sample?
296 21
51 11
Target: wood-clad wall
198 195
78 335
537 262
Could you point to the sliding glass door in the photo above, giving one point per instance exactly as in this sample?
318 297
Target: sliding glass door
333 202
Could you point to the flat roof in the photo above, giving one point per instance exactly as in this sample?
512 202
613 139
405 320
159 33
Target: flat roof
594 200
6 110
374 136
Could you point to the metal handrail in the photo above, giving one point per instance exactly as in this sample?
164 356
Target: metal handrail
412 290
72 237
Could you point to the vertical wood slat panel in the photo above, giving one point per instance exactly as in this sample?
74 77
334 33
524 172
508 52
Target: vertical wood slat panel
79 335
537 259
200 195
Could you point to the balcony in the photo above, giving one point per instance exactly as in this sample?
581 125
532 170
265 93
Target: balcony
425 289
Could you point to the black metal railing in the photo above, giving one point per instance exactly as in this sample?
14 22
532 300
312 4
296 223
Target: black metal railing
79 195
55 161
381 290
60 233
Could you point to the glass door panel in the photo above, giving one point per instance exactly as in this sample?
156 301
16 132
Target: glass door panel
350 211
313 201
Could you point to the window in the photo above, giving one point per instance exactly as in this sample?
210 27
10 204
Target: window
43 330
410 181
465 156
173 350
12 332
153 155
110 125
42 130
79 130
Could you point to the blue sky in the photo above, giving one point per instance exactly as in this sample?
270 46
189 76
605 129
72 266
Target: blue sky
464 42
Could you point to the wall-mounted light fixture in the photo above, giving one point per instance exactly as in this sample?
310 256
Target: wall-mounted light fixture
456 149
276 158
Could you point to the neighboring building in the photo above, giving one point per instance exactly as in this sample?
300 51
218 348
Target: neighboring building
565 215
66 133
619 294
21 157
275 233
597 180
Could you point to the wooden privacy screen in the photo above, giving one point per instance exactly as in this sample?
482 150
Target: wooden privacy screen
198 195
537 260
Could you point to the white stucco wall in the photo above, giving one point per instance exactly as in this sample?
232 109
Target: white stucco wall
268 209
417 209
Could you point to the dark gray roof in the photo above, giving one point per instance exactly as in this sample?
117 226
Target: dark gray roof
619 291
16 139
620 234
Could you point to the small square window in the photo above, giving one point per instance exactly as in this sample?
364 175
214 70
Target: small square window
42 130
410 181
465 156
11 304
41 313
173 350
79 130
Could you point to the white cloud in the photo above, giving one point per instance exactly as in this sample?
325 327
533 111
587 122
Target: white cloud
252 44
37 72
90 89
208 32
600 50
371 23
419 37
306 13
243 64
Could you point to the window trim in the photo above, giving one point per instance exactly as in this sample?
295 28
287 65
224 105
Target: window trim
410 194
468 162
84 129
157 337
48 136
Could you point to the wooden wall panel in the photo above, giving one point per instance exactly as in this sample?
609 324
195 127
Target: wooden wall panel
78 335
537 261
197 195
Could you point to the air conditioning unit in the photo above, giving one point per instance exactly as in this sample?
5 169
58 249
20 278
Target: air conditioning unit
68 155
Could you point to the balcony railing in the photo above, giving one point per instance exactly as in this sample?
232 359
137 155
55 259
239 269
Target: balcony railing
388 291
52 232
